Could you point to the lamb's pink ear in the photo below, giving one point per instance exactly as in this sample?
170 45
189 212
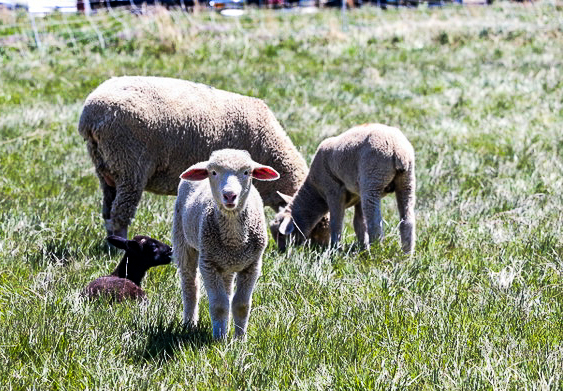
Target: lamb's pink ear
265 173
197 172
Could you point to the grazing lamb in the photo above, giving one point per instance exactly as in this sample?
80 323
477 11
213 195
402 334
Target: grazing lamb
356 168
124 283
219 225
142 132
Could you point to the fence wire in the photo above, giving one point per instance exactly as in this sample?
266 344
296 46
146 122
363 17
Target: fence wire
20 29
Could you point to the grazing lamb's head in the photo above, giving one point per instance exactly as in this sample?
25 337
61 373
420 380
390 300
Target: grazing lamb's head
280 238
285 231
142 253
230 173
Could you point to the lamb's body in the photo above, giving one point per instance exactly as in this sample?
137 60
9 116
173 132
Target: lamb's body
357 168
142 132
114 289
221 240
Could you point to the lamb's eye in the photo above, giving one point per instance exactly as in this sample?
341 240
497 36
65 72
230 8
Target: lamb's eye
213 173
246 173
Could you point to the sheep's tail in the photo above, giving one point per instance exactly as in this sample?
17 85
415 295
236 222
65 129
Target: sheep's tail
403 158
88 133
402 165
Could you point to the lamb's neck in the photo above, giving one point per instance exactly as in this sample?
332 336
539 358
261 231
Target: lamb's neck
307 208
232 226
123 271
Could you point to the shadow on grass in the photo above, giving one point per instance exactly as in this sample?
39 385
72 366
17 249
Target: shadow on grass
163 340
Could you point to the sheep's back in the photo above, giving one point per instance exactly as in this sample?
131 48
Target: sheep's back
372 147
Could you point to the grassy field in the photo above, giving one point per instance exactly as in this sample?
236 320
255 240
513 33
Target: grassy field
477 90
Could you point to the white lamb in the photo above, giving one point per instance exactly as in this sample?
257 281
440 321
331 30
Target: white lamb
219 225
356 168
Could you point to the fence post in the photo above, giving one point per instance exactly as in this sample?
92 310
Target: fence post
35 32
344 24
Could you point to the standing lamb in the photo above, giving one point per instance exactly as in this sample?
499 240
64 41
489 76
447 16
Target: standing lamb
356 168
219 225
124 283
141 132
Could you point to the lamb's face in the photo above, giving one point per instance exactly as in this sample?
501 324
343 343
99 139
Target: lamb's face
143 251
152 252
230 186
230 173
284 231
279 238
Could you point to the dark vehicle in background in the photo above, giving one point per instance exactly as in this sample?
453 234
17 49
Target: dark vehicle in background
94 4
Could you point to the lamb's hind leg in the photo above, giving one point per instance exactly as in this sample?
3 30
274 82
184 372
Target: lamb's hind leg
405 194
371 208
360 227
372 189
242 301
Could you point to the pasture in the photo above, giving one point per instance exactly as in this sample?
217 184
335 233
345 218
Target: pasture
477 90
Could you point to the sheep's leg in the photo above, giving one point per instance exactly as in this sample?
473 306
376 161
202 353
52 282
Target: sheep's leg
107 184
336 204
371 208
228 280
360 227
242 302
109 194
218 300
128 196
189 282
405 195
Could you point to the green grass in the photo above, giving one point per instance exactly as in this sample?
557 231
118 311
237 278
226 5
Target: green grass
477 90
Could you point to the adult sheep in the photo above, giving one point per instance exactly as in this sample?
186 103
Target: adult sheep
142 132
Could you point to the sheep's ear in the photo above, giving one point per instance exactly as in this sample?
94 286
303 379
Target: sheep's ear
117 241
197 172
286 226
285 197
265 173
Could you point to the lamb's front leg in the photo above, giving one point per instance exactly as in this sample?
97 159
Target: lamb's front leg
218 299
242 302
336 199
189 282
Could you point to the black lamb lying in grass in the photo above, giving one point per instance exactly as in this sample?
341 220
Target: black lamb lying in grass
124 283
